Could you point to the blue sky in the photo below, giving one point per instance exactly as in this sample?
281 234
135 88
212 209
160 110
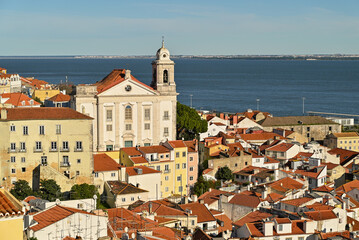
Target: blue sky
80 27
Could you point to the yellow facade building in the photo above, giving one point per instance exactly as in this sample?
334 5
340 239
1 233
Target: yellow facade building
45 143
11 217
344 140
44 94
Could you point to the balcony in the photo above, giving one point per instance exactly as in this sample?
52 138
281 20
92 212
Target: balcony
64 149
38 149
165 118
65 164
53 149
12 150
78 149
167 171
23 150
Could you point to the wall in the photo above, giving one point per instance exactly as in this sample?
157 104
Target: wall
11 228
150 182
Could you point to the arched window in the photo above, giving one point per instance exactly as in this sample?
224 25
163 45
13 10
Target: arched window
165 76
128 113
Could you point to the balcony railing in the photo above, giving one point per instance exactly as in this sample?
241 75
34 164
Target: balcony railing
165 118
65 164
23 150
12 150
78 149
64 149
167 170
53 149
38 149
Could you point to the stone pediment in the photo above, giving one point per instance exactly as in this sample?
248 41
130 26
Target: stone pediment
129 87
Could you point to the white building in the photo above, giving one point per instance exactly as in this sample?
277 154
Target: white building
127 112
59 222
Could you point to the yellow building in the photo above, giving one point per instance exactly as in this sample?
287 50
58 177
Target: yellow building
45 143
11 217
344 140
44 94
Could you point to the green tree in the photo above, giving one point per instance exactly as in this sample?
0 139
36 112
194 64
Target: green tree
38 100
82 191
49 189
21 190
224 173
189 123
201 186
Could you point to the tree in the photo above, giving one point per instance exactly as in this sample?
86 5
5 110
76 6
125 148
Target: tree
38 100
82 191
21 190
201 186
49 189
224 173
189 123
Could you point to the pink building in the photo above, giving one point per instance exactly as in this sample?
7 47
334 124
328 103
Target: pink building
192 163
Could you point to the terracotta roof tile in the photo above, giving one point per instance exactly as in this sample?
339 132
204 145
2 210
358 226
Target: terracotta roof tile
138 160
200 210
19 99
132 171
60 98
252 217
344 155
282 220
286 184
154 149
46 113
346 134
177 144
160 209
282 147
191 146
323 188
104 163
321 215
297 201
7 207
120 188
212 196
347 187
260 136
131 151
296 120
244 199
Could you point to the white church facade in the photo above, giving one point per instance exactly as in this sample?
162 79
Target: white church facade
128 112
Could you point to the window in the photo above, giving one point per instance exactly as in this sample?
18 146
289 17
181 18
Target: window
147 114
177 166
183 154
308 135
167 167
166 178
280 227
109 115
128 143
96 174
191 178
109 128
166 189
12 159
12 128
58 129
308 129
191 169
65 160
38 146
65 145
191 159
128 113
22 146
113 174
78 160
165 131
183 165
180 188
147 144
23 159
123 199
44 160
23 169
13 170
42 130
178 178
330 128
25 130
77 173
53 146
166 115
246 163
132 199
165 76
128 127
177 154
158 168
109 147
79 145
147 126
288 238
12 147
192 222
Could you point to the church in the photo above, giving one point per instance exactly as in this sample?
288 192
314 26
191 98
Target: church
129 113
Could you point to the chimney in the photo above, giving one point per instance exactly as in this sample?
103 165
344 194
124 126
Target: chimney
345 202
123 174
221 115
235 120
265 193
185 199
201 201
309 226
194 198
150 207
268 228
3 114
127 74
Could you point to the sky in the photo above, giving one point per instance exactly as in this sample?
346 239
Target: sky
201 27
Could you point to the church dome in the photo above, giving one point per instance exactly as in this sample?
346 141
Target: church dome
163 53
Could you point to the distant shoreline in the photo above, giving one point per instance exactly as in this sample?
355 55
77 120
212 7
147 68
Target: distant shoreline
240 57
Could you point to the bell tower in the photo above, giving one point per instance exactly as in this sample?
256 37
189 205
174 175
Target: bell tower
163 72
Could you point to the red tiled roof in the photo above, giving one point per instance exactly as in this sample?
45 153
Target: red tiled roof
282 220
138 160
115 77
260 136
323 188
248 199
227 222
17 99
154 149
344 155
60 98
252 217
177 144
354 223
312 173
321 215
286 184
347 187
120 188
131 171
331 235
7 207
282 147
330 165
297 201
346 134
319 206
46 113
274 197
208 170
191 146
305 155
131 151
53 215
213 196
164 233
160 209
200 210
34 82
104 163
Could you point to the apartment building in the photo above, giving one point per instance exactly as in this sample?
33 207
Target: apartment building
41 143
344 140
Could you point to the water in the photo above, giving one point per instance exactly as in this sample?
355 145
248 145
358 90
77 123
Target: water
224 85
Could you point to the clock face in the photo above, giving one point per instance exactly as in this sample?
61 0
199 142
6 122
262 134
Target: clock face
128 88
